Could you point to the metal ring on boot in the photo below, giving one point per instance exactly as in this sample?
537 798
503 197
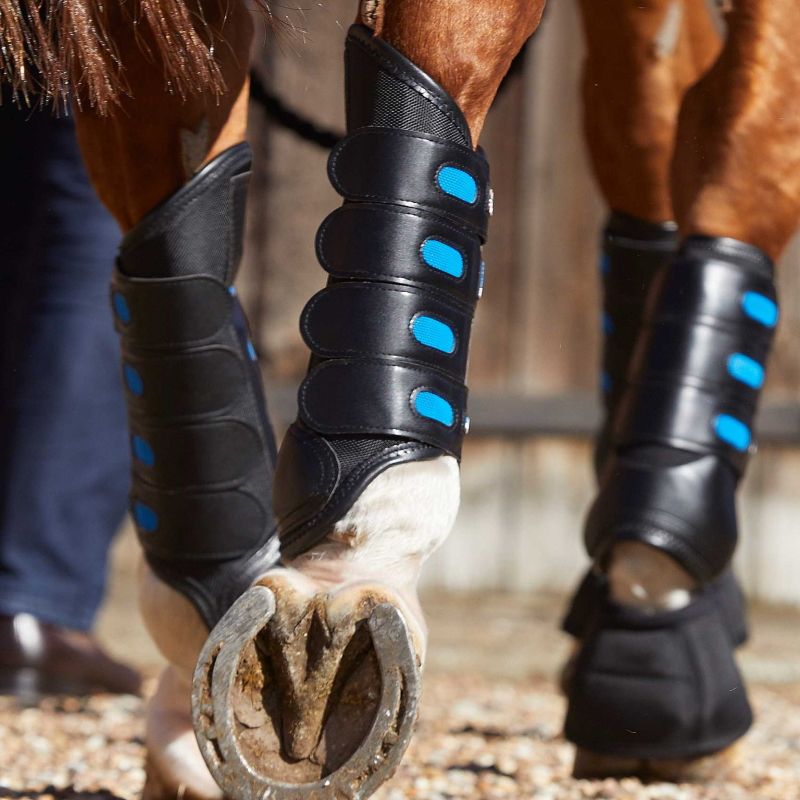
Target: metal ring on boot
217 729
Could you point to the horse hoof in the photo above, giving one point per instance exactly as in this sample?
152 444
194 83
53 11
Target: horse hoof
306 696
590 765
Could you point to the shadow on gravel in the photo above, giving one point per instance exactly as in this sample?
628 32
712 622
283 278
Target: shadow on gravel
67 793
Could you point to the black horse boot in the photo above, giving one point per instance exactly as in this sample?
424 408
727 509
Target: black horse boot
329 678
658 685
633 253
203 450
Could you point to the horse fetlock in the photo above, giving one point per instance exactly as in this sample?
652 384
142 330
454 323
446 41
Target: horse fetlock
392 528
173 622
643 577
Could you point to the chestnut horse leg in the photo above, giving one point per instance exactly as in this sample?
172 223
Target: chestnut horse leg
151 143
736 200
641 58
138 155
366 489
144 159
739 134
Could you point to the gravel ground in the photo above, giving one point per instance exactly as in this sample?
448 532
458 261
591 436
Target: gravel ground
476 739
489 727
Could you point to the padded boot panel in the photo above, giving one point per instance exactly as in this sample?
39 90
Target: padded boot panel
592 594
389 333
203 451
685 425
657 686
681 504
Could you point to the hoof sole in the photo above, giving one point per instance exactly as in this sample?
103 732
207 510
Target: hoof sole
298 698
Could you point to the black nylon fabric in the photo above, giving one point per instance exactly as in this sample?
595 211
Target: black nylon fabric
590 598
657 686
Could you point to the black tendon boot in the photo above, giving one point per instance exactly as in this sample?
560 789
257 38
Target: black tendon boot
389 334
633 253
203 450
665 685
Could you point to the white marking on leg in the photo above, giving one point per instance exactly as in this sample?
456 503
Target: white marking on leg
645 578
194 147
394 526
173 753
402 517
666 40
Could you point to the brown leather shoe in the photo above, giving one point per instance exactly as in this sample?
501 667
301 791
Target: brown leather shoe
37 658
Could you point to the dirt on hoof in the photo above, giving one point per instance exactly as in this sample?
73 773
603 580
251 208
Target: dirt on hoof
308 687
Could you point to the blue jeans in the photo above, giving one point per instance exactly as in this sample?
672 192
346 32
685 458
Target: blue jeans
63 441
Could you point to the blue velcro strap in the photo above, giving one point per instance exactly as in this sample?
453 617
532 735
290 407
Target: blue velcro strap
363 396
760 308
438 176
351 319
400 245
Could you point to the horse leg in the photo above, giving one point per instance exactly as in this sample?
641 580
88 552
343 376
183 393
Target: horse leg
174 174
684 427
640 59
326 681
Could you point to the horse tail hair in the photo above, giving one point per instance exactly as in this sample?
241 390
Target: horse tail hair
59 50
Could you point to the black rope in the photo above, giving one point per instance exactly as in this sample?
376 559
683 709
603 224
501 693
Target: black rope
310 131
290 119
